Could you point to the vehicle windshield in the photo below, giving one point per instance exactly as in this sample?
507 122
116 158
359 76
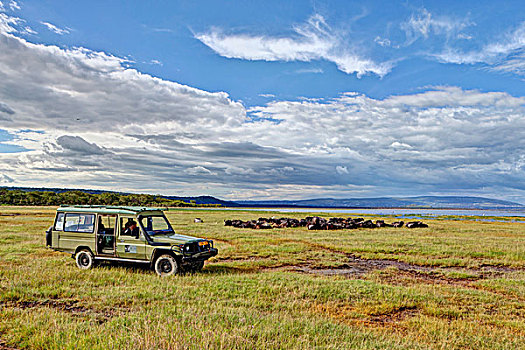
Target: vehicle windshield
155 225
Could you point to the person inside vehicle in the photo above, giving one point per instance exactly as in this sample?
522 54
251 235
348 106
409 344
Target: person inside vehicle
101 227
131 229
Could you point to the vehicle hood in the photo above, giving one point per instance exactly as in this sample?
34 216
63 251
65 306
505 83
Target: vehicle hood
174 239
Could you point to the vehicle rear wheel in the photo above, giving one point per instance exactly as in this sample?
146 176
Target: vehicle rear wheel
85 259
166 265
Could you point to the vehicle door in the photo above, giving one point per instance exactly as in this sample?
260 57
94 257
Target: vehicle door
106 231
130 245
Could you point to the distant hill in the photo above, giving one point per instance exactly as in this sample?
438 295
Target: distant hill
443 202
198 200
205 200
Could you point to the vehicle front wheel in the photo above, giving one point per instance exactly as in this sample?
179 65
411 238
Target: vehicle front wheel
85 259
166 265
197 266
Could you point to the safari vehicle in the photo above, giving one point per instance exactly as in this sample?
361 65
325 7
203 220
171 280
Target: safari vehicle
127 234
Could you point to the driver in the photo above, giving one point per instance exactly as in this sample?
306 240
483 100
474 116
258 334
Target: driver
131 228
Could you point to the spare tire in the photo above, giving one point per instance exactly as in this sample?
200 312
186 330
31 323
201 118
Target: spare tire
49 236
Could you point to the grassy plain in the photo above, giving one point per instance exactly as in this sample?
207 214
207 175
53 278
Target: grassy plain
456 284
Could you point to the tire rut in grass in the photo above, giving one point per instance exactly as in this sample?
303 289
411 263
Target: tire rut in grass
394 316
4 346
71 307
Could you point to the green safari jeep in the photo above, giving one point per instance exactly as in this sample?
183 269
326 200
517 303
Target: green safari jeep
130 234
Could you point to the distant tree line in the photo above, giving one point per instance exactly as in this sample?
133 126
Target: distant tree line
20 197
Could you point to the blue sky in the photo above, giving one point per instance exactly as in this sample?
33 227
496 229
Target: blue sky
265 99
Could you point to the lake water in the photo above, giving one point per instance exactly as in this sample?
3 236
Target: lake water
429 214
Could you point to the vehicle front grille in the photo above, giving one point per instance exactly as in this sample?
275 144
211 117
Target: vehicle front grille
194 247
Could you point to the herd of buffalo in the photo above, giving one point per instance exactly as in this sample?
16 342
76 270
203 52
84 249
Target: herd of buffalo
317 223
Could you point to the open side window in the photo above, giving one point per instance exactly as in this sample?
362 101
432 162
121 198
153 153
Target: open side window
125 227
155 224
107 224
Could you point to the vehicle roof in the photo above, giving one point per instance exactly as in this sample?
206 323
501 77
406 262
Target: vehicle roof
108 209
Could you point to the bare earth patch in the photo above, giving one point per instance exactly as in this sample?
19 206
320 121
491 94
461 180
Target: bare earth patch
357 267
72 307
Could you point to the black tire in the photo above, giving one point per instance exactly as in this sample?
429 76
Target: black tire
85 259
166 265
197 266
49 237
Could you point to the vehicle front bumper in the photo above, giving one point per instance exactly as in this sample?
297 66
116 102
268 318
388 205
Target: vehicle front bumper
200 256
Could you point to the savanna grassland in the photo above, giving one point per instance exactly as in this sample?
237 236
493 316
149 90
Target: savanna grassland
456 284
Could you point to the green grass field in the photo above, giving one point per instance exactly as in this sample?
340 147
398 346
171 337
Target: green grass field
456 284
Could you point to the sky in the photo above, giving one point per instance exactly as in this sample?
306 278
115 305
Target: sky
265 100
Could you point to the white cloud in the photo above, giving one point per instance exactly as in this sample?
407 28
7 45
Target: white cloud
423 23
464 36
79 74
8 23
512 41
313 41
504 54
28 30
384 42
441 136
78 145
235 170
514 64
399 145
199 170
55 29
310 71
267 95
13 5
453 97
